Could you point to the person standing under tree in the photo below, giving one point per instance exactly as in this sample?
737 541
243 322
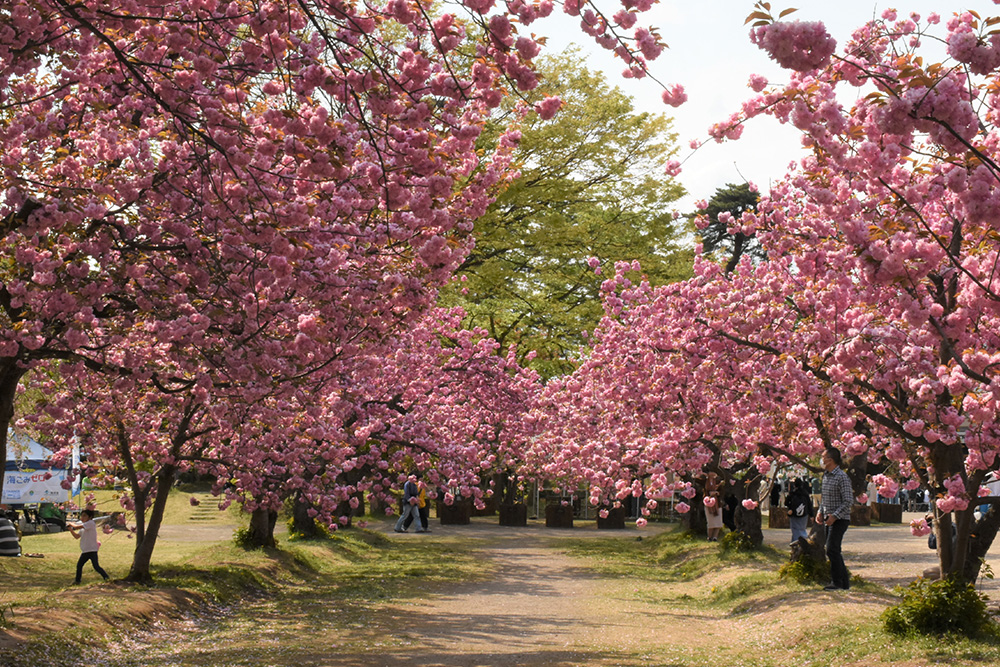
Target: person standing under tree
835 514
713 513
88 543
800 508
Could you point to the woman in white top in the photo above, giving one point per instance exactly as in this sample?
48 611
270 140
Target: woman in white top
88 543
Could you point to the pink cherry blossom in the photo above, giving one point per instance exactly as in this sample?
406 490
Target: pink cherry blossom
919 528
674 96
548 107
796 45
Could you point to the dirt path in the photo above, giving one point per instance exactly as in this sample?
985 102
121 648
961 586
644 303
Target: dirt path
544 607
537 611
540 606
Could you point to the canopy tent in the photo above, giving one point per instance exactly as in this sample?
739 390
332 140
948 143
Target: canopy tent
30 477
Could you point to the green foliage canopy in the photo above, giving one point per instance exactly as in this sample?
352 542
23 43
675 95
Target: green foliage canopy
716 236
592 183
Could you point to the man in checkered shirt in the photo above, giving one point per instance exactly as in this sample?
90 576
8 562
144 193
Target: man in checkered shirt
835 514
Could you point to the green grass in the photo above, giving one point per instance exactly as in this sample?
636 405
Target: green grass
672 556
357 586
867 641
306 587
675 569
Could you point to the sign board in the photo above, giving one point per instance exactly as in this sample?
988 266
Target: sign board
34 486
28 479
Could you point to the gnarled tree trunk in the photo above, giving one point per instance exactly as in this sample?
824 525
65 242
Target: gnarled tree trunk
11 372
262 528
302 523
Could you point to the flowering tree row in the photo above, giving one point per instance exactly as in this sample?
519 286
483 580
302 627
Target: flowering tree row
871 327
219 215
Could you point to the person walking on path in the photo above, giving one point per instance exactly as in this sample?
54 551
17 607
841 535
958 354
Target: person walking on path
800 508
86 532
423 507
411 501
835 514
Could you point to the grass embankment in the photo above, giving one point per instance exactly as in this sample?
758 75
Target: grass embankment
735 609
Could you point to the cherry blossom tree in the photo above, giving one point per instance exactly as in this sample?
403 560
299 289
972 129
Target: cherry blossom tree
890 230
437 398
663 399
150 150
871 327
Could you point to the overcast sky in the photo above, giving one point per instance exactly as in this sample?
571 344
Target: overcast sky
711 55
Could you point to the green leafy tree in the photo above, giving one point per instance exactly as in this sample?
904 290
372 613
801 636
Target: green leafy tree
716 236
593 183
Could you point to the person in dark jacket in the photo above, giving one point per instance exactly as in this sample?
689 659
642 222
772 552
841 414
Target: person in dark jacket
800 508
411 500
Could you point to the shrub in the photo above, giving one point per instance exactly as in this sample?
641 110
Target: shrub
322 532
938 607
737 541
806 570
242 539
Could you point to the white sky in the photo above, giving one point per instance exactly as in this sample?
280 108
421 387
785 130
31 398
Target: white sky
711 55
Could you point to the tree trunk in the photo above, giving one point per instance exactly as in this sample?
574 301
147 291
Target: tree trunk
985 531
695 520
11 373
302 523
262 528
857 472
146 539
748 522
344 509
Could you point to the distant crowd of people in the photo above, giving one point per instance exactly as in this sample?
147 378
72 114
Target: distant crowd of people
913 500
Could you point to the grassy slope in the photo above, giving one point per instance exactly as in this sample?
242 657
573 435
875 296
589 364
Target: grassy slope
769 621
773 622
47 621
